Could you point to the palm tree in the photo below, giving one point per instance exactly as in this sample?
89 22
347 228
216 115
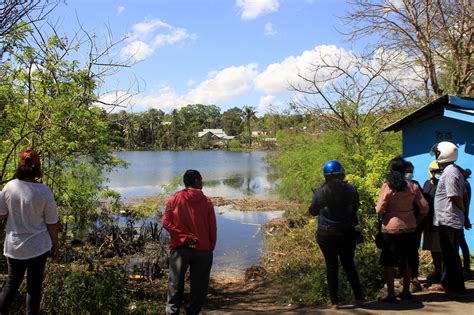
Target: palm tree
249 114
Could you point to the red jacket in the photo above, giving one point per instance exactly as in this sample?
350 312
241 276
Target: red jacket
190 212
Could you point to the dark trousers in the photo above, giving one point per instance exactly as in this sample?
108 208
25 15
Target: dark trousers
199 263
335 247
465 252
34 280
452 276
416 265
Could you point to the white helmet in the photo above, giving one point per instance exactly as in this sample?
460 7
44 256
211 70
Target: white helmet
445 152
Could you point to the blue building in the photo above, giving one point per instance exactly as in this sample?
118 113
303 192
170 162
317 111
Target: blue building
448 118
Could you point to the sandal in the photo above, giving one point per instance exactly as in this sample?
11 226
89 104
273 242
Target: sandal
436 288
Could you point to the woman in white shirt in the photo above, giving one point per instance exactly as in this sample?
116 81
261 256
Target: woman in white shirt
31 231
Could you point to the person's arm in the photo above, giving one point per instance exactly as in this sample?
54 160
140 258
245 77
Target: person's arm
53 230
382 201
173 229
422 204
458 202
212 227
3 207
316 203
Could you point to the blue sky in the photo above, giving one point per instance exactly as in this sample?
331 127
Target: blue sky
223 52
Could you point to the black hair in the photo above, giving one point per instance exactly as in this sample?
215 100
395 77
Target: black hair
190 177
334 190
409 166
28 171
396 174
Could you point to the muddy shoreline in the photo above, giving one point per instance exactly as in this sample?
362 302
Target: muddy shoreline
242 204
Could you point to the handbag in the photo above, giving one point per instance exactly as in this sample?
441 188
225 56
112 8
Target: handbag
379 239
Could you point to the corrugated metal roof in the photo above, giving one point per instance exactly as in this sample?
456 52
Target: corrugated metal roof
435 108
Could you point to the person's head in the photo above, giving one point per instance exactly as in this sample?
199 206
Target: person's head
434 171
192 178
333 170
445 153
29 165
409 170
334 189
396 174
467 173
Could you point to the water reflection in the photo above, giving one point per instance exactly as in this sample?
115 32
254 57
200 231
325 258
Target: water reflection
226 174
229 175
239 239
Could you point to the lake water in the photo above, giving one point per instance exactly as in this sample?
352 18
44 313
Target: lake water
230 175
225 174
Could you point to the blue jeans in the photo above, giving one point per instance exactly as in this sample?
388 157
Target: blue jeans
34 282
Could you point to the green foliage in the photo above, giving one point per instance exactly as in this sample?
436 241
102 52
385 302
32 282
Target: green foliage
48 104
74 289
234 145
300 162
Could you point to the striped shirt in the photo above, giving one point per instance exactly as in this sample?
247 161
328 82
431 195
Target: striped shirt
451 184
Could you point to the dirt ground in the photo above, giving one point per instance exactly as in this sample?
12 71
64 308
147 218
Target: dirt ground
235 296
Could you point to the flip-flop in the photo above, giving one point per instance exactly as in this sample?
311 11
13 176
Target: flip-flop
436 288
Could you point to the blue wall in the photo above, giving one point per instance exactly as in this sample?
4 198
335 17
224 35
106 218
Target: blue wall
419 138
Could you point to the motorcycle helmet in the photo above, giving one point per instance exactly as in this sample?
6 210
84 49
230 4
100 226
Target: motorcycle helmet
445 152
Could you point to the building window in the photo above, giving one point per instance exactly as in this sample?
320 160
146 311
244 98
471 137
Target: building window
443 136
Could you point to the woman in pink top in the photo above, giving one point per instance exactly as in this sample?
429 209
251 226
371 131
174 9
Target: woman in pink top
395 205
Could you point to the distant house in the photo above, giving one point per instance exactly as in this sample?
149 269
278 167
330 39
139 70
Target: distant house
448 118
214 134
256 133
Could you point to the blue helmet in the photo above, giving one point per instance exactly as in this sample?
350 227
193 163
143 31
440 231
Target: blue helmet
333 167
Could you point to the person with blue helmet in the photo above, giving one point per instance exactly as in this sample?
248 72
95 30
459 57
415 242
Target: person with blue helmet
336 203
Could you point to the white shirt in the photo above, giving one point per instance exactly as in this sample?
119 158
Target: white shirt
30 206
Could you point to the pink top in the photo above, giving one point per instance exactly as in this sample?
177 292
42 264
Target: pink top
398 208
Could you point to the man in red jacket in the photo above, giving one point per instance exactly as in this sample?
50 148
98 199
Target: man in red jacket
190 219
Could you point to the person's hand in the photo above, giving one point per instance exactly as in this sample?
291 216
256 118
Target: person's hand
192 241
468 226
54 252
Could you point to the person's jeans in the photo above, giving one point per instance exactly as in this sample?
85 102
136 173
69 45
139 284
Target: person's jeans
200 263
34 280
334 247
452 277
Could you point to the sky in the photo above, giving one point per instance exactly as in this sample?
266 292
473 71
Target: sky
229 53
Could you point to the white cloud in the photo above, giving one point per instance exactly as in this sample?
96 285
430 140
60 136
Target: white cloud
265 102
219 87
276 78
176 35
269 30
138 50
147 36
251 9
120 9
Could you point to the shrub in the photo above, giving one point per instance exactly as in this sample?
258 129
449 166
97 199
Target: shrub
76 290
234 145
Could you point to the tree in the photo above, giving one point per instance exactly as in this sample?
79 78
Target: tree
12 12
353 94
232 121
435 34
50 103
248 113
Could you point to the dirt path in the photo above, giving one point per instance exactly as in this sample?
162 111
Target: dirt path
233 296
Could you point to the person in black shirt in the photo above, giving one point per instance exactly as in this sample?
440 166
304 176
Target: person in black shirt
336 203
